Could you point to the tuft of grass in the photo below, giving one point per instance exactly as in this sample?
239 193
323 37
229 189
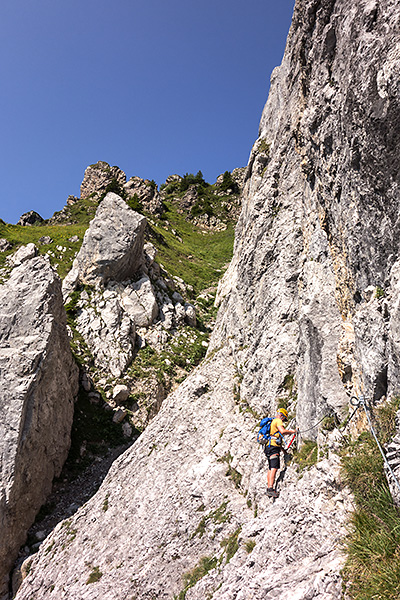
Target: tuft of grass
206 564
372 569
264 147
386 419
105 503
95 575
231 544
289 384
329 423
249 545
231 472
307 456
220 515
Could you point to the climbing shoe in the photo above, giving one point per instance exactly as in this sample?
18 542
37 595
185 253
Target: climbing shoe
272 493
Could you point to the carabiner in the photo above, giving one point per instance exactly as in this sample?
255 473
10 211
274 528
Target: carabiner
354 401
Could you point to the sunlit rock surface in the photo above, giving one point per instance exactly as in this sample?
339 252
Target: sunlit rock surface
38 383
318 230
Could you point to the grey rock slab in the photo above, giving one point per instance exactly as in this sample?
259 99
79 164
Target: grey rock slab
38 382
138 299
171 501
23 254
120 393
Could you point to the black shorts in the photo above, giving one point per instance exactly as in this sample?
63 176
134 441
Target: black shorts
272 454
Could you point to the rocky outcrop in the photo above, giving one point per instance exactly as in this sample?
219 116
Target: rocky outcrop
296 320
146 194
112 247
38 382
98 176
239 175
108 318
189 198
30 218
125 290
4 245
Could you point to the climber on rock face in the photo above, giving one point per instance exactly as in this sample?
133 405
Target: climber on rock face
274 447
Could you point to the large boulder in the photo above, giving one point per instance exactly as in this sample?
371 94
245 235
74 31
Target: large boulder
107 319
38 383
112 248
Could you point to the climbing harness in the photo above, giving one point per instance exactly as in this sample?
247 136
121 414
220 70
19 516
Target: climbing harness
357 402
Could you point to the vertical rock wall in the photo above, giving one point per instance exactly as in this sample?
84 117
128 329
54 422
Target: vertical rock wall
319 229
38 382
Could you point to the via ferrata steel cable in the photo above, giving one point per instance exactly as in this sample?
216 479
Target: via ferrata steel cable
361 402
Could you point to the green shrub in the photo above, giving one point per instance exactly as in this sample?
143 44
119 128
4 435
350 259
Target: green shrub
134 203
228 183
190 179
116 187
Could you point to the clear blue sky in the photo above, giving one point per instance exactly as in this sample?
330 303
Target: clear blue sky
153 86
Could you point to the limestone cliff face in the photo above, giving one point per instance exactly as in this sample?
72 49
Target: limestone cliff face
309 310
38 382
318 234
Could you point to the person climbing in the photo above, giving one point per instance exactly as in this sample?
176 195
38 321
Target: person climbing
273 448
